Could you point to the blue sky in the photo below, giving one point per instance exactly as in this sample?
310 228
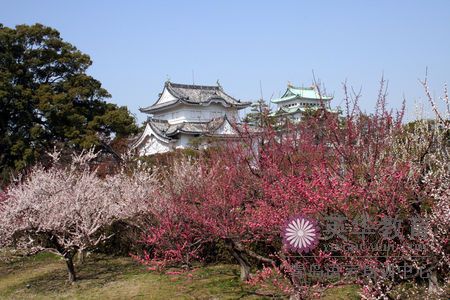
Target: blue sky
137 45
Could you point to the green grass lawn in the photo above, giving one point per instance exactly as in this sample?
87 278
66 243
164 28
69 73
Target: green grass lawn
44 276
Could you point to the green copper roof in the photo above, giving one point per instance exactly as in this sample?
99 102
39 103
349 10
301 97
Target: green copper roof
288 110
301 93
293 110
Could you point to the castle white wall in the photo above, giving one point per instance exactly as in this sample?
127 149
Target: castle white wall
188 113
304 103
183 142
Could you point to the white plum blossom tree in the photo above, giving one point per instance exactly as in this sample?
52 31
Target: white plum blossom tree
66 209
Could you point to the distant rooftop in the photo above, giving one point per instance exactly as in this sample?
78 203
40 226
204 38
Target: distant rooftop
293 92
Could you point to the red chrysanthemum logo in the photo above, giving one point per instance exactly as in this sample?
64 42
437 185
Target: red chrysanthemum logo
301 234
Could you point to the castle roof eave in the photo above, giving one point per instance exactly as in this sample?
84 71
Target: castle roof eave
307 93
150 130
289 98
194 95
174 103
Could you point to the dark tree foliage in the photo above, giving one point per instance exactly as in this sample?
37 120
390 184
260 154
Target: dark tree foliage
47 99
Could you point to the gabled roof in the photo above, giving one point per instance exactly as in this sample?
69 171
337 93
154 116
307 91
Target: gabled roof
195 128
194 95
291 110
166 132
311 93
298 109
150 130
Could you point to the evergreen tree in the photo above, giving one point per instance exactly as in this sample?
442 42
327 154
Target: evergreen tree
47 99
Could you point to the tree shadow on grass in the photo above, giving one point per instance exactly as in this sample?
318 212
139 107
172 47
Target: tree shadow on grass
220 282
207 282
96 271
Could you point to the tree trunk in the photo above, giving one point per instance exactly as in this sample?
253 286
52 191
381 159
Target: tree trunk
68 255
81 256
245 266
295 297
433 286
70 268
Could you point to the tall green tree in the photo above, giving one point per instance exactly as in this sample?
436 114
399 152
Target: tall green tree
259 114
47 99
